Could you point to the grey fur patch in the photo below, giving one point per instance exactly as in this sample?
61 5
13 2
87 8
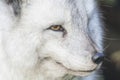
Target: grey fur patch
16 4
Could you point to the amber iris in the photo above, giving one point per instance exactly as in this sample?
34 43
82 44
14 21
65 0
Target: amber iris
57 28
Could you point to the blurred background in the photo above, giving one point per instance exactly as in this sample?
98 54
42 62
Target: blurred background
110 10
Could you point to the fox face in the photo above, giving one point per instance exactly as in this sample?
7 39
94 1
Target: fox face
53 38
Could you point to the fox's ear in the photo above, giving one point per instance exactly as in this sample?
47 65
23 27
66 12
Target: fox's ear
16 5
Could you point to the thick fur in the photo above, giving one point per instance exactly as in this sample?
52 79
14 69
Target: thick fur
29 51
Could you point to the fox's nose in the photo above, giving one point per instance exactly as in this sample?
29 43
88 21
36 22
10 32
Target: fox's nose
98 58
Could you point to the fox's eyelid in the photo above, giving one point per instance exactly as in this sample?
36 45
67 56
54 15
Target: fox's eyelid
56 28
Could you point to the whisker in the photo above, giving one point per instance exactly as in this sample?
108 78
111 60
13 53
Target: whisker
107 59
113 39
107 46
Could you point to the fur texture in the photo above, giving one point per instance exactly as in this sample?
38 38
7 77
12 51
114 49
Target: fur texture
31 51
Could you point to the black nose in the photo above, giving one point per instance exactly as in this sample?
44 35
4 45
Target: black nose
98 58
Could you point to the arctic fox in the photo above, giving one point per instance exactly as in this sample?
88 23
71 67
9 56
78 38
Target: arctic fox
49 39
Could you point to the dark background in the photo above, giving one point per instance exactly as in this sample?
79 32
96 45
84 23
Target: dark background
110 10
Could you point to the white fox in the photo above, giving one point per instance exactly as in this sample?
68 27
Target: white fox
49 39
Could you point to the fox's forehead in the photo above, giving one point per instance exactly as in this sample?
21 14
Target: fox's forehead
51 10
54 11
47 11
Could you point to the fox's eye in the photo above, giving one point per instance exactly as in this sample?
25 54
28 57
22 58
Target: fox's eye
56 28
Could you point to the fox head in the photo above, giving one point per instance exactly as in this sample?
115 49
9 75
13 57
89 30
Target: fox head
54 36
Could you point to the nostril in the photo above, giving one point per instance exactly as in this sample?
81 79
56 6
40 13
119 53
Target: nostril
98 58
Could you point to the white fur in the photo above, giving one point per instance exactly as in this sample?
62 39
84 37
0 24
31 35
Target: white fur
30 52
